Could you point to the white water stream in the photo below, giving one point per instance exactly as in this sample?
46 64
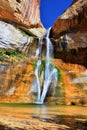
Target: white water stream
49 74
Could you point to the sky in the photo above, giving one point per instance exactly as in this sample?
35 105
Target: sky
50 10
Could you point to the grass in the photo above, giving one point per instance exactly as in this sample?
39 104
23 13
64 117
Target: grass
10 54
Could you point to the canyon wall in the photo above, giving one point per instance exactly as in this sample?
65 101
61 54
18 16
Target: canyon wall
19 20
74 18
16 81
24 12
69 33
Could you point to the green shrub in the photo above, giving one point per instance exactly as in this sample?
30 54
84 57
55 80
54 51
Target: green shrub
4 53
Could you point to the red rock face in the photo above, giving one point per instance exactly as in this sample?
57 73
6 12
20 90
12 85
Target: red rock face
74 18
23 12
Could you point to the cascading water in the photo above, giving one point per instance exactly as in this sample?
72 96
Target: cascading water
49 74
38 50
37 79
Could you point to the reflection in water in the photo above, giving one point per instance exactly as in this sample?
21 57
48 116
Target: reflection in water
41 111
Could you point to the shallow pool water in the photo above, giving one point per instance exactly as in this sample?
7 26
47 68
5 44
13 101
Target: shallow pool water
46 116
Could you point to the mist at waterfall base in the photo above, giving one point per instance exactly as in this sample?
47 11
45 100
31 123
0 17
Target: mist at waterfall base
50 10
46 77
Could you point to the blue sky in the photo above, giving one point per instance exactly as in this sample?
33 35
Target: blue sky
51 9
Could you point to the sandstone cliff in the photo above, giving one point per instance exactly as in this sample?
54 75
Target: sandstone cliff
69 34
19 19
22 12
74 18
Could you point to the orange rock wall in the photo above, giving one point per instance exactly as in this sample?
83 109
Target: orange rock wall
18 77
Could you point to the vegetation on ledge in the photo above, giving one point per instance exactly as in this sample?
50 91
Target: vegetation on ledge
10 55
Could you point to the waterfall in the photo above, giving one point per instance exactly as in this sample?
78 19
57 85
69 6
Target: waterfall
38 50
49 74
37 79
